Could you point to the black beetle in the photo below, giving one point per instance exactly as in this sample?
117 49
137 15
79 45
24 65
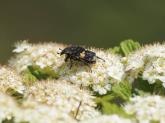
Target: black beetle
77 53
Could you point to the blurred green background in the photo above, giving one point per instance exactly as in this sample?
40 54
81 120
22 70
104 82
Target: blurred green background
100 23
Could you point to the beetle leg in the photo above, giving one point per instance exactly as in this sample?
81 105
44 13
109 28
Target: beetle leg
71 64
90 69
66 58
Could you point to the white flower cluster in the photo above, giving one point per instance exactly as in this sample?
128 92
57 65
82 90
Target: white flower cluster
10 80
155 70
150 61
65 97
34 112
7 107
103 73
31 112
109 119
42 55
45 55
147 109
68 98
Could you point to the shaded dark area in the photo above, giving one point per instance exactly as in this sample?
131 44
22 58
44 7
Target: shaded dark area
93 23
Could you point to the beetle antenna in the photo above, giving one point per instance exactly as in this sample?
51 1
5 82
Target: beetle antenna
100 58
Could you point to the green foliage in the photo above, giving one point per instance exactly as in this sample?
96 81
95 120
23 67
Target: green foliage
44 73
142 87
107 107
15 94
111 108
28 77
112 103
12 121
158 88
115 50
34 73
129 46
122 90
8 120
152 121
126 47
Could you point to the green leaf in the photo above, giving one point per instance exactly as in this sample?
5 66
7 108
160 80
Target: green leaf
112 102
104 98
142 87
8 121
28 77
153 121
115 50
122 90
125 47
111 108
128 46
158 88
12 121
15 94
44 73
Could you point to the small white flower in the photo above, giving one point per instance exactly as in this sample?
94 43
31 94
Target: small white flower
64 96
7 107
34 112
31 111
9 79
20 47
155 70
42 55
148 108
150 61
108 119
